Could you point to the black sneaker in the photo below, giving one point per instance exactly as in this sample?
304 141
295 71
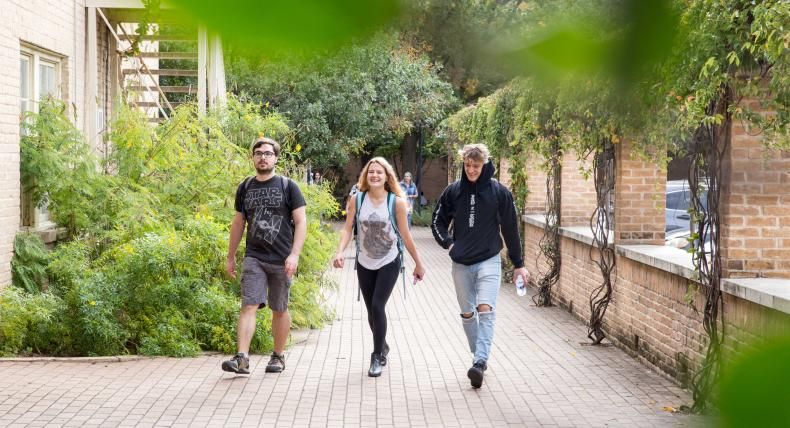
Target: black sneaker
238 364
276 363
475 373
384 352
375 365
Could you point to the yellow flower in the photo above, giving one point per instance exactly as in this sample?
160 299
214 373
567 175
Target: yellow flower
298 148
92 303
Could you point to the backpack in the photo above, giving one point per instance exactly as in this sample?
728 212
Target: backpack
360 197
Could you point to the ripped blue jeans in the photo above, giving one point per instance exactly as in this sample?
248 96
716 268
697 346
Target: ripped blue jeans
476 285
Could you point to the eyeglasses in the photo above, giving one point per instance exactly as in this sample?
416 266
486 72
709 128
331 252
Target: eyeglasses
267 155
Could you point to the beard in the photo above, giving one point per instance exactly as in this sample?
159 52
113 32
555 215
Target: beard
264 170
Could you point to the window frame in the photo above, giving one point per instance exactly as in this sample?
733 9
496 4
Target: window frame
31 216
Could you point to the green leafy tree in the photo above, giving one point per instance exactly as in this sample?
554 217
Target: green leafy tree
361 100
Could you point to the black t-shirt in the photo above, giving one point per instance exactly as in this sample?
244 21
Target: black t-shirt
270 232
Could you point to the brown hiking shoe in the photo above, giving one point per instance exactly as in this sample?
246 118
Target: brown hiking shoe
238 364
276 363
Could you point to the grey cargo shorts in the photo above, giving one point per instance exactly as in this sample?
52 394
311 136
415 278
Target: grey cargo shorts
264 283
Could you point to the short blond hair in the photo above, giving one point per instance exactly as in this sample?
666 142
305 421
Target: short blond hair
476 152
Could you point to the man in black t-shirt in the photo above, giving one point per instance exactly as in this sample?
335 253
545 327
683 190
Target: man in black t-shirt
273 209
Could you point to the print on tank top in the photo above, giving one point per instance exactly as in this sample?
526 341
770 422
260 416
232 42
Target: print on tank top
377 240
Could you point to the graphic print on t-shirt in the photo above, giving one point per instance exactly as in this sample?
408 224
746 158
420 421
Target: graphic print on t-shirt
265 225
377 241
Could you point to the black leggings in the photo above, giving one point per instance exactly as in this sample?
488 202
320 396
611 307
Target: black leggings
376 286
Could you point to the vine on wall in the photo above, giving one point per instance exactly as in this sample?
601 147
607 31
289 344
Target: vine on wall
550 241
601 224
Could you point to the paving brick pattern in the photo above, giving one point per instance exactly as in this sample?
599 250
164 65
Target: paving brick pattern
539 374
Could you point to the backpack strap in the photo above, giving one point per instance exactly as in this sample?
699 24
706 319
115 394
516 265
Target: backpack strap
391 198
284 183
358 198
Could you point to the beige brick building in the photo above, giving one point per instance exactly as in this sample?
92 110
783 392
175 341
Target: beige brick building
76 51
42 51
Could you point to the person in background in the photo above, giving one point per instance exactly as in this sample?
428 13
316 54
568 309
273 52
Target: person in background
410 190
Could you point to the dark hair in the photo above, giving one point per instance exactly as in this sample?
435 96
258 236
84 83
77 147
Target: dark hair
264 140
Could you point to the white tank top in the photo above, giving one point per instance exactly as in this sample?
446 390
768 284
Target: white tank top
377 238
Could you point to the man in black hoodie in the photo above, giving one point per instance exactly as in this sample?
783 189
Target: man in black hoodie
480 211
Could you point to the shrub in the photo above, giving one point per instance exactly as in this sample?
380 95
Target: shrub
144 269
30 322
424 216
29 264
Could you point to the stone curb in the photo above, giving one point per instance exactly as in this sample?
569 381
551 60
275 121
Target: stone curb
297 337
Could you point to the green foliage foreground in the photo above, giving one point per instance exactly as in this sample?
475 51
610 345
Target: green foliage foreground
143 271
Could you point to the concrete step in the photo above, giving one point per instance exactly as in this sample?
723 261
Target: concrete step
170 55
151 104
160 37
164 72
168 89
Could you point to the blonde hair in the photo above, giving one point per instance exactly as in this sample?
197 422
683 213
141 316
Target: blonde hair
390 184
476 152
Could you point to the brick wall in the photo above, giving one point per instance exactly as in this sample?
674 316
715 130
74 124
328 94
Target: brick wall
534 261
58 27
536 181
639 197
578 193
649 315
755 199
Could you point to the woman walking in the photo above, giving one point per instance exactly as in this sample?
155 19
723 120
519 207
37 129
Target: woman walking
381 224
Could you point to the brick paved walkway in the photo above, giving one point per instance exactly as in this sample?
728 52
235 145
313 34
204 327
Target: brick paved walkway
539 375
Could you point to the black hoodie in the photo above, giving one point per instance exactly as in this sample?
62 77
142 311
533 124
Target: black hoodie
473 209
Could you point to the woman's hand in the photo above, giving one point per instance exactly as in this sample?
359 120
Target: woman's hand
419 272
339 260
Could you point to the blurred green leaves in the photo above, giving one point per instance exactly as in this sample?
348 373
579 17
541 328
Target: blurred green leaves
621 39
756 388
281 25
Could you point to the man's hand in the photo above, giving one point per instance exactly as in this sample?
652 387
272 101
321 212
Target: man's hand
291 263
230 267
523 273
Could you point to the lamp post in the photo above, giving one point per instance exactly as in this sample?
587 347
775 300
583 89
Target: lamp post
418 181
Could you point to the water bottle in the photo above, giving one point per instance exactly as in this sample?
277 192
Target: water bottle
521 288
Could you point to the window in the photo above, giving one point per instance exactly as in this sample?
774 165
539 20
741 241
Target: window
39 76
